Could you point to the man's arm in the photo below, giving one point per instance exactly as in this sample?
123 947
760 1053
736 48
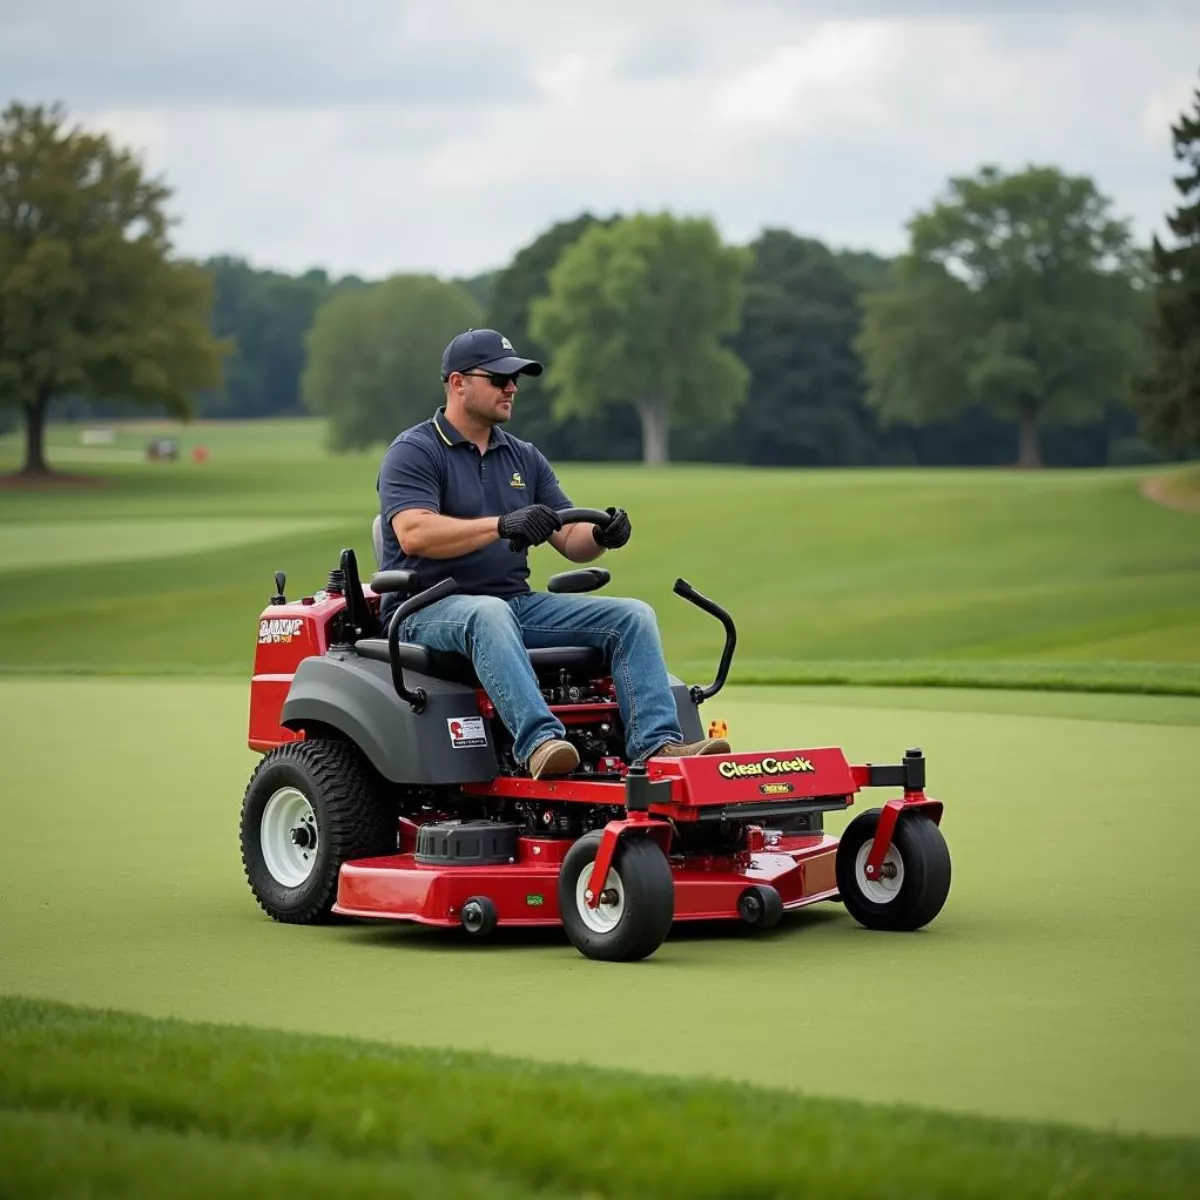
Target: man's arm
428 534
410 493
575 542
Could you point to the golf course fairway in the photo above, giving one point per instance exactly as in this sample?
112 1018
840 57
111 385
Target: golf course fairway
1059 983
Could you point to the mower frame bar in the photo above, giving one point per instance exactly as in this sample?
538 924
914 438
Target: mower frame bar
439 591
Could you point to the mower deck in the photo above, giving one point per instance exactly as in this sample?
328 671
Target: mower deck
398 888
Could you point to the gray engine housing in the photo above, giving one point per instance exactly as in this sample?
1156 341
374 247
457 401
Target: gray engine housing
355 696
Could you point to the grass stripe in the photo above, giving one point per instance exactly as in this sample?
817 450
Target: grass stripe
54 1153
259 1105
1116 678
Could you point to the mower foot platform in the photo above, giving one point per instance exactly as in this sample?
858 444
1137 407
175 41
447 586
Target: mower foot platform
798 870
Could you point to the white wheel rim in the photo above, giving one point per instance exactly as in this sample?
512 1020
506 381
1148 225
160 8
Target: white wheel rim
606 916
289 837
887 887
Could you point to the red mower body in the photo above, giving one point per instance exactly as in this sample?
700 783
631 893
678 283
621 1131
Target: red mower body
799 867
288 633
741 833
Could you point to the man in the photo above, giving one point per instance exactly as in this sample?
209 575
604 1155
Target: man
460 497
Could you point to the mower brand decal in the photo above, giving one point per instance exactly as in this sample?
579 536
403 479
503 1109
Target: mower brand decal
766 766
278 629
775 789
534 900
466 731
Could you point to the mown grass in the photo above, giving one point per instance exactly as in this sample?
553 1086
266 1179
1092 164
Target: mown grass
186 1109
1057 579
1052 986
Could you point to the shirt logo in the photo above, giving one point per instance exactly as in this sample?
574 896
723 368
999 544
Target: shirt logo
516 480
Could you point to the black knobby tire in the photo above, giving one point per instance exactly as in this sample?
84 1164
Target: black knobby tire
347 806
916 895
642 918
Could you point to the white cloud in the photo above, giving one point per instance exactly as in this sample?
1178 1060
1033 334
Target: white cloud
1165 106
831 76
390 135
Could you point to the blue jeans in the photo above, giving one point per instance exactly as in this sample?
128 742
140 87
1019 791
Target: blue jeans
494 633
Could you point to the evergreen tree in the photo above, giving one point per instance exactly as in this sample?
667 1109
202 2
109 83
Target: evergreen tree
1167 397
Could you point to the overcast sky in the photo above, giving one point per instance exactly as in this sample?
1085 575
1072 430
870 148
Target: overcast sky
385 136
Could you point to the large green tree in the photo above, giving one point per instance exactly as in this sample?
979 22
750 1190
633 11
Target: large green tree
1020 292
374 356
799 320
638 313
91 302
606 435
1167 396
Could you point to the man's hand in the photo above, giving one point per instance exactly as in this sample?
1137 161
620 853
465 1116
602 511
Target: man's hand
616 532
529 526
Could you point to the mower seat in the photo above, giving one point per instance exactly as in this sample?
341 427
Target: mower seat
457 668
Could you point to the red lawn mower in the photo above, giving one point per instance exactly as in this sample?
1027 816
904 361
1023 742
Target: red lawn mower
388 790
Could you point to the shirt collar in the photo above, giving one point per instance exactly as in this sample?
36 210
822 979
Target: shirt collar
451 437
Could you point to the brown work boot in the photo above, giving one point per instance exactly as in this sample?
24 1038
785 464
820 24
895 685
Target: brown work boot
554 757
685 749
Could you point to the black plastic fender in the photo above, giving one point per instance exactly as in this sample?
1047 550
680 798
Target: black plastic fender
448 742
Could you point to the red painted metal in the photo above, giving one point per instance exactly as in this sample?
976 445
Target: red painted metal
893 810
715 779
699 781
397 887
560 791
287 634
635 824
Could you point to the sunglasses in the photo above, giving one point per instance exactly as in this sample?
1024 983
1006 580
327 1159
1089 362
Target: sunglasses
495 378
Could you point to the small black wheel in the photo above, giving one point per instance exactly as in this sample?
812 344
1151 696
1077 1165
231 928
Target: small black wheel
915 879
637 903
760 906
309 807
478 916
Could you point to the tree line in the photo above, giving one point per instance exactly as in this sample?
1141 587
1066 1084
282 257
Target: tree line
1022 323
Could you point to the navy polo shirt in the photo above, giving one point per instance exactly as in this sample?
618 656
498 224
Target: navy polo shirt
432 466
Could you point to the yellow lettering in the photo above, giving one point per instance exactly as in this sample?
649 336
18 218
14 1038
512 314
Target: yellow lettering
765 766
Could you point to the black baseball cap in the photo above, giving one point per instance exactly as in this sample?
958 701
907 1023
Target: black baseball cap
487 349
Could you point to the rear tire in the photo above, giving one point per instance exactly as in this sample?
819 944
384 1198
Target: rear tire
309 807
635 916
919 861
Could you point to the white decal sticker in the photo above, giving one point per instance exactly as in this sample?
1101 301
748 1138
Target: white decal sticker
278 629
466 731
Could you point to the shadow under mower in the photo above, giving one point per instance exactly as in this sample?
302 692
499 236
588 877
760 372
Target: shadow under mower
388 790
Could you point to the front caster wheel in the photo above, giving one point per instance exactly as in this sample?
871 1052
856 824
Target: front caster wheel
914 881
637 903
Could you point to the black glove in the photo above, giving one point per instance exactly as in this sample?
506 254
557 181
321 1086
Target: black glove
616 532
529 526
